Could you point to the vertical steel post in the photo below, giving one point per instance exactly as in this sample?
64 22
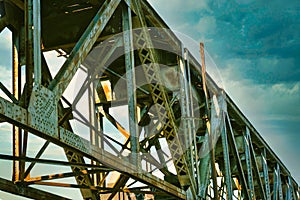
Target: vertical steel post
256 169
192 120
228 179
279 182
211 148
17 138
37 41
29 46
249 164
131 85
93 125
289 192
275 184
237 158
186 127
266 174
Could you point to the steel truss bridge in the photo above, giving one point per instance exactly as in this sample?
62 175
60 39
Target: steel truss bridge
183 138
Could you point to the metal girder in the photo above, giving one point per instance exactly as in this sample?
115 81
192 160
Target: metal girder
266 175
9 186
146 55
187 127
71 155
17 115
45 116
227 165
131 85
119 184
209 126
256 170
82 48
82 179
249 164
237 158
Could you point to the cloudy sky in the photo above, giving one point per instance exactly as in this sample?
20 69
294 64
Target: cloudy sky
256 47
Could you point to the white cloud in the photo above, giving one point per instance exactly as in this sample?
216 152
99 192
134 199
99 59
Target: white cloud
5 76
261 102
54 62
287 89
5 37
207 25
177 5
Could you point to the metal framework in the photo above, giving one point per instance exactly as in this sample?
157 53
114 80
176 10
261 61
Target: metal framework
184 138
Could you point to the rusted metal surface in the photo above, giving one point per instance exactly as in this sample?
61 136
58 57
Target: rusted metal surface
8 186
82 48
178 153
42 111
81 145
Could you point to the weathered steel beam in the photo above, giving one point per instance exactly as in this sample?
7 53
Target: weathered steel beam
237 158
120 183
107 51
38 155
186 130
36 15
33 193
16 87
249 164
131 85
8 94
151 70
33 180
53 162
82 48
156 20
266 175
227 166
255 167
17 115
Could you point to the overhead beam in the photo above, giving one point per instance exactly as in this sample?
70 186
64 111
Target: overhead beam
82 48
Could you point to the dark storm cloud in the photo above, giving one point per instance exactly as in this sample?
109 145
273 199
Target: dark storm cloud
256 46
260 32
251 30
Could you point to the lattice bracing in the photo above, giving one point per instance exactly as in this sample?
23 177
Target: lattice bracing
124 112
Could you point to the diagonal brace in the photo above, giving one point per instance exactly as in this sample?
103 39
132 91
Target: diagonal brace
82 48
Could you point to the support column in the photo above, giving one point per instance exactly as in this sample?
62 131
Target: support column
225 145
185 130
93 125
29 46
131 85
17 138
37 41
210 137
266 174
249 164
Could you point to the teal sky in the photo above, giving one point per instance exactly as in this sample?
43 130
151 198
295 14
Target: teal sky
256 47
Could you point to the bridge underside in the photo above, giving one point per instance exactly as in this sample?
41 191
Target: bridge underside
131 111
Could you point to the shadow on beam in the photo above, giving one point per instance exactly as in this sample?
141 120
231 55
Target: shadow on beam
9 186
